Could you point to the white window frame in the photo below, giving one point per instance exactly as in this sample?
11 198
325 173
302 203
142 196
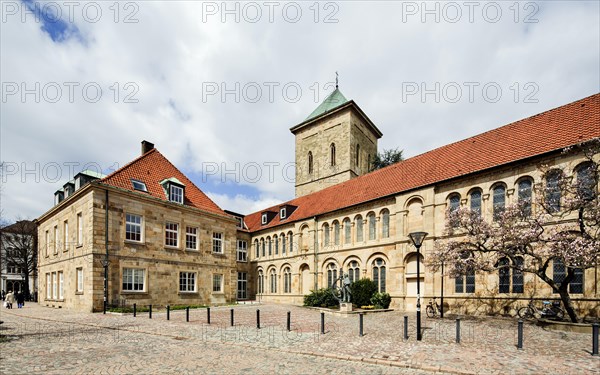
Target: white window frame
282 213
190 281
169 231
141 185
79 229
79 280
139 225
134 275
242 251
176 195
66 235
191 233
47 238
61 285
217 243
217 283
263 219
48 285
56 239
54 286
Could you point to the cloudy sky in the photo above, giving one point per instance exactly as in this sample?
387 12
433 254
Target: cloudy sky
217 86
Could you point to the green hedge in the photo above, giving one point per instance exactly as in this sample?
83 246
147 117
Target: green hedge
320 298
381 300
362 291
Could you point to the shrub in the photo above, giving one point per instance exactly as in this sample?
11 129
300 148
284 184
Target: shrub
381 300
362 291
320 298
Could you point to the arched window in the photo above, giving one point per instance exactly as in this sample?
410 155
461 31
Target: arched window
503 276
560 272
325 234
273 280
336 232
287 280
347 232
262 245
310 162
291 241
261 282
385 223
353 271
372 227
517 277
332 154
283 243
476 201
499 201
586 182
454 202
331 274
357 156
525 196
553 192
359 229
465 282
276 241
270 246
256 249
379 274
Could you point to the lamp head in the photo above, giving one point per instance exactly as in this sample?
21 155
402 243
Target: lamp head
417 238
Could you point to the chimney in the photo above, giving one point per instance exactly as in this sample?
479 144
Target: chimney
147 146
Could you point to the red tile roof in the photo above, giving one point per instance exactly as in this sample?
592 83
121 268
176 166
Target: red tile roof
152 168
548 131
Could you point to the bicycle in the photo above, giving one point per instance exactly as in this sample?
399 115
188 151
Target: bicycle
550 310
433 309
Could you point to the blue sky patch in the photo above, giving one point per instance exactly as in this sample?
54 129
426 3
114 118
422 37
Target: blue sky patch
54 20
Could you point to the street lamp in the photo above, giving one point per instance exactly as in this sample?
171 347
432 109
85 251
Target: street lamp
105 264
417 239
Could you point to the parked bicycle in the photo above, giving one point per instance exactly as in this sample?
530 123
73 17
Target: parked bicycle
433 309
550 310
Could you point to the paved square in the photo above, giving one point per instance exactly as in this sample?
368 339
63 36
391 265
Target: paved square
51 341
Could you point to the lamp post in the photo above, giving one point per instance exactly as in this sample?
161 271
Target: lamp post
105 264
417 239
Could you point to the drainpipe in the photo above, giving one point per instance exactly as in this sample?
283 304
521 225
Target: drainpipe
316 244
105 262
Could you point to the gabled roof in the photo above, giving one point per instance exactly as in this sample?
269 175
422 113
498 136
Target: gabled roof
546 132
334 100
152 168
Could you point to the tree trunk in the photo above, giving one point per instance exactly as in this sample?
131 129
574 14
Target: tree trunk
566 300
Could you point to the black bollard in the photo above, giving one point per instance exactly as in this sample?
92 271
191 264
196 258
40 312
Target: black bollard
458 330
405 327
360 324
134 309
150 312
322 323
257 319
289 320
520 334
168 312
208 315
187 314
595 339
232 317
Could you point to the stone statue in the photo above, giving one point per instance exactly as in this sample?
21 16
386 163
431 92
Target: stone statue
346 288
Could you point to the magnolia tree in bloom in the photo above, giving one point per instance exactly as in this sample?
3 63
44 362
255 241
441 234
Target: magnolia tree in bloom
559 222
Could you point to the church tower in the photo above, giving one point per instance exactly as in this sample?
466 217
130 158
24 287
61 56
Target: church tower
335 143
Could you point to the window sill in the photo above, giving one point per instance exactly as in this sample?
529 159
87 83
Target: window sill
133 292
79 293
242 261
218 293
193 250
79 246
172 248
132 242
218 254
187 293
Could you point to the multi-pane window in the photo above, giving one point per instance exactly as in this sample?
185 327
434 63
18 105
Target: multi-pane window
48 286
66 234
287 280
476 201
525 196
270 246
256 248
176 194
261 282
347 232
503 276
242 251
359 229
379 274
553 192
465 283
217 243
517 276
372 227
560 272
79 273
217 286
133 227
283 243
499 201
586 183
54 286
187 281
79 229
336 232
454 202
133 279
325 234
61 285
276 240
242 285
291 241
262 246
191 238
171 234
331 274
273 281
353 271
385 218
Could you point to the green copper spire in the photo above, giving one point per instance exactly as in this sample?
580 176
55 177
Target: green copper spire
335 99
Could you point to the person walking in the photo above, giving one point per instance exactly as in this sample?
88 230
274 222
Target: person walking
10 299
3 295
20 299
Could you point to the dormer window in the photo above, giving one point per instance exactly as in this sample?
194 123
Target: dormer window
240 222
282 213
263 218
175 193
139 185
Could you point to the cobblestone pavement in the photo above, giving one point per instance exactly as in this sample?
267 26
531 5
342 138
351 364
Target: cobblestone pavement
52 341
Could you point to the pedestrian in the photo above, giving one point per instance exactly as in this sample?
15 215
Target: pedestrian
20 299
3 295
10 299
